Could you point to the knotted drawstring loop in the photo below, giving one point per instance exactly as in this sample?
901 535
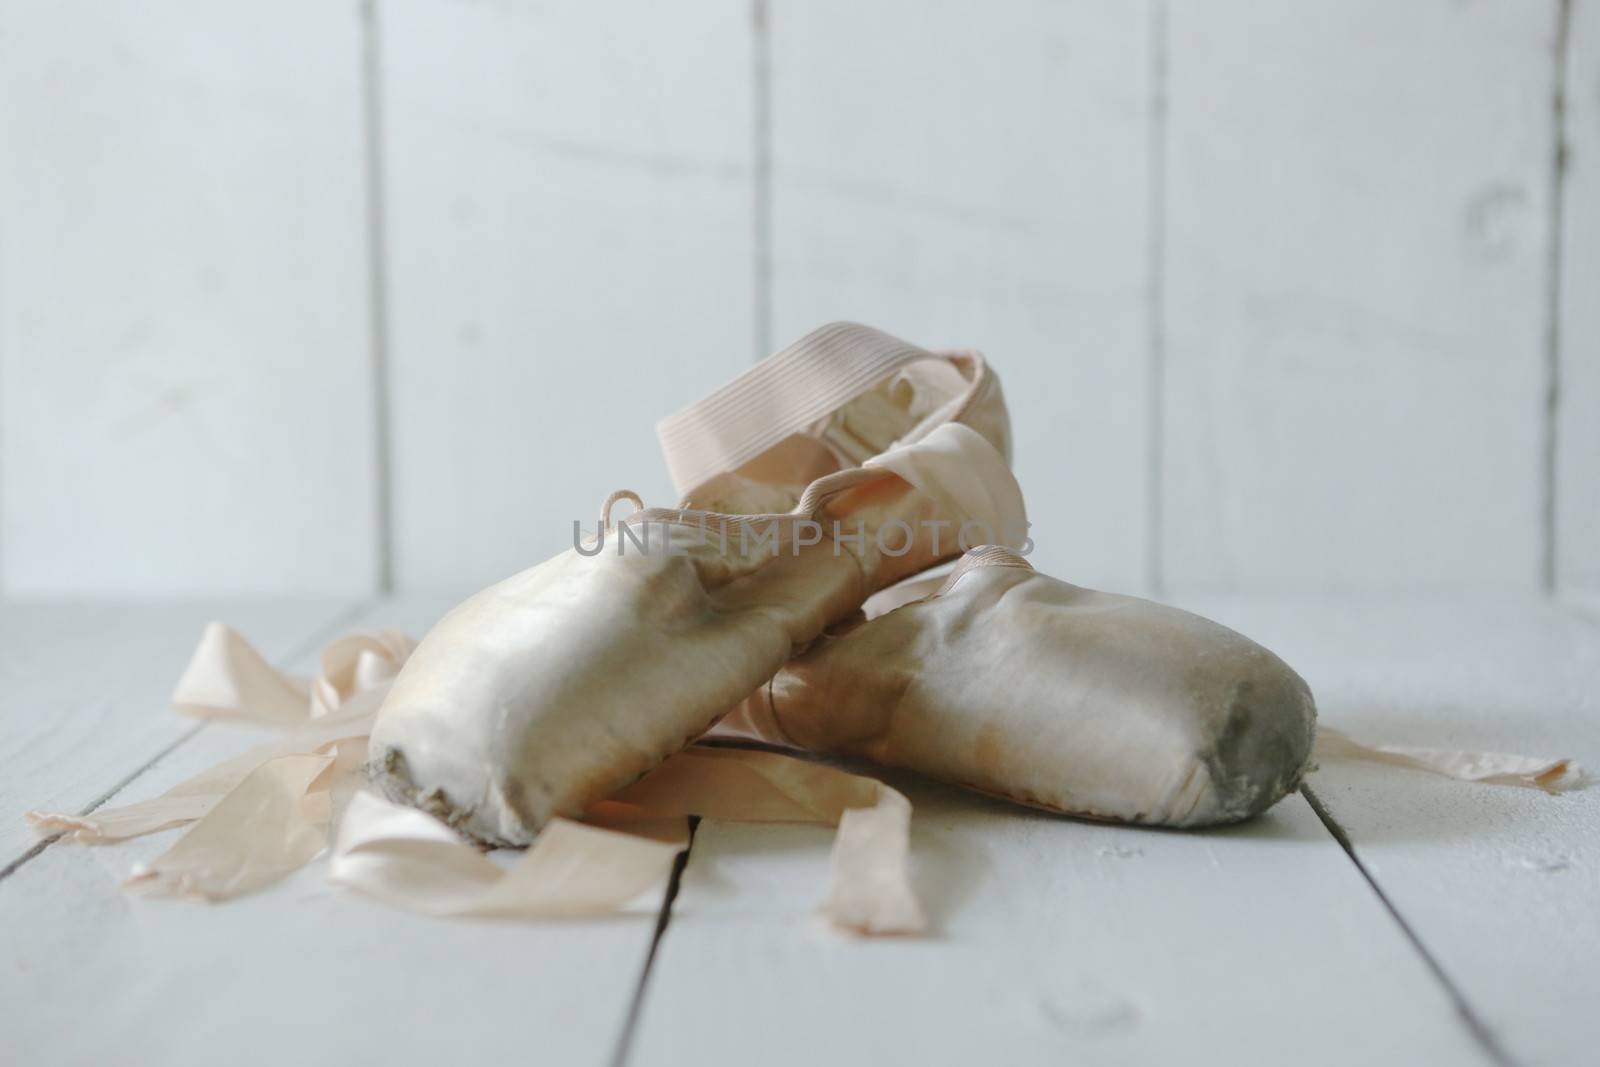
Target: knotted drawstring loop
611 501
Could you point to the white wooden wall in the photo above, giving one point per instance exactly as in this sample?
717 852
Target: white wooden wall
1577 321
186 400
334 297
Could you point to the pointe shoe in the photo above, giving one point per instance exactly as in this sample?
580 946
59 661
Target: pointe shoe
824 474
1017 685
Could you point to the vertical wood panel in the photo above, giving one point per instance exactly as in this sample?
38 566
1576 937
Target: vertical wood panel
183 341
1357 209
973 174
1578 429
569 259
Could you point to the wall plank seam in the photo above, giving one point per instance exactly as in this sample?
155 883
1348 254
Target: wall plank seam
761 173
1557 238
378 292
1155 310
4 574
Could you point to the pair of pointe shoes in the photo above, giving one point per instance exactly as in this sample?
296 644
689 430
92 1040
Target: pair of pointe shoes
775 604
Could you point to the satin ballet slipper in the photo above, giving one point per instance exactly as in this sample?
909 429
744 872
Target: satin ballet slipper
826 473
1018 685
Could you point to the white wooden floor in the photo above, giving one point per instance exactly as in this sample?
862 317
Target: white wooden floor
1409 920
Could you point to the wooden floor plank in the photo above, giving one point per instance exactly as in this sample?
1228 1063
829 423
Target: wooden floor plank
1502 885
86 690
1054 941
298 973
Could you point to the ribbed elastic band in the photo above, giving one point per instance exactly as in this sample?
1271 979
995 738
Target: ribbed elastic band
780 396
983 556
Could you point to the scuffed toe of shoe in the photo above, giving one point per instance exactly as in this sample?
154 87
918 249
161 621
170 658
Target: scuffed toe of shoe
461 795
1261 747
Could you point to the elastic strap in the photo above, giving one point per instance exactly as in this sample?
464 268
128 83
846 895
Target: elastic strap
780 396
983 556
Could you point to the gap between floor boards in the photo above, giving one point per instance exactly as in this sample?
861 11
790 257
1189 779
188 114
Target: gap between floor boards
1479 1030
630 1022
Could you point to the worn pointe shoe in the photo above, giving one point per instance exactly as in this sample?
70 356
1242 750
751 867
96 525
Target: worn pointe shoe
824 474
1015 684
